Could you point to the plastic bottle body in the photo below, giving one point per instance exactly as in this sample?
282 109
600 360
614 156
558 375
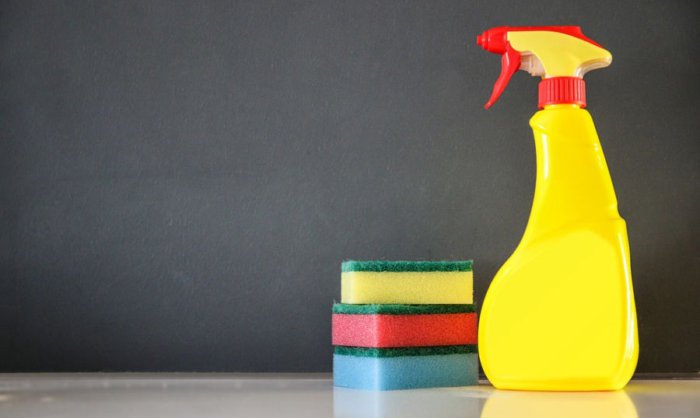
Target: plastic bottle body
560 313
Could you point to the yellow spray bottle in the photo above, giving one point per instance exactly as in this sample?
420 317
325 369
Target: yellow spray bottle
559 315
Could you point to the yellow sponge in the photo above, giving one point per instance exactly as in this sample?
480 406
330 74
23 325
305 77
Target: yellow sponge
407 282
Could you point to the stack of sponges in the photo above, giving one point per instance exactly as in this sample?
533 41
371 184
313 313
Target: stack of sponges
405 324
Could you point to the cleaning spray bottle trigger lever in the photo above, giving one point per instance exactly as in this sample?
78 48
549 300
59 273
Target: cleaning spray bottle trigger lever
510 63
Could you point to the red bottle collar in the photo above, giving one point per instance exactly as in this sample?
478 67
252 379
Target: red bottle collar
562 90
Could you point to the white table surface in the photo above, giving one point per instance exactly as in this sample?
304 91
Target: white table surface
309 395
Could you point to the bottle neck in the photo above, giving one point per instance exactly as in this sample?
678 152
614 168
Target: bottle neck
562 91
573 183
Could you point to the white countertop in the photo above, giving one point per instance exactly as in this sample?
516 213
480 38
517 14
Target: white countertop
313 395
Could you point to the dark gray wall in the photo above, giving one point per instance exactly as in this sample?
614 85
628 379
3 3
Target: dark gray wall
180 180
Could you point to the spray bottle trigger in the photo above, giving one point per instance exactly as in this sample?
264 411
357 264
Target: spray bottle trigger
510 63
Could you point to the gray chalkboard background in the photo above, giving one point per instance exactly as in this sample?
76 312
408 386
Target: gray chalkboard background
180 180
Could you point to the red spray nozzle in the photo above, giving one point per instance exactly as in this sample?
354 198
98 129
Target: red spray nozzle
493 40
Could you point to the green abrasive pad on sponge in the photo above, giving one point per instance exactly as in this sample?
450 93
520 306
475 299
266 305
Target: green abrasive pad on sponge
398 309
403 266
404 351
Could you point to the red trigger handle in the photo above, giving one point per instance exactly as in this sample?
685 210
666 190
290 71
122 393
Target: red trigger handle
510 63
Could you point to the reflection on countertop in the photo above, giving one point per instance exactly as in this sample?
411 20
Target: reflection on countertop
443 402
556 405
680 398
303 395
481 401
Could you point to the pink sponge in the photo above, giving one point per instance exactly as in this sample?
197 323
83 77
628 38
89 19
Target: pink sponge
400 326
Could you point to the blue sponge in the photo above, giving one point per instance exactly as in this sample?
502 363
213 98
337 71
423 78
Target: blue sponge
405 372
